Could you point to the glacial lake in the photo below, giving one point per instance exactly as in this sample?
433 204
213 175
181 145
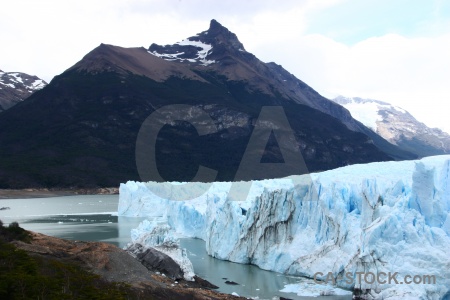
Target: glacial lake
94 218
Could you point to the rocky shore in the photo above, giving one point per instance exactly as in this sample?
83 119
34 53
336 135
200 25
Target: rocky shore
115 265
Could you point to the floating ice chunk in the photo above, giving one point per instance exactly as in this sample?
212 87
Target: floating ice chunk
309 288
160 236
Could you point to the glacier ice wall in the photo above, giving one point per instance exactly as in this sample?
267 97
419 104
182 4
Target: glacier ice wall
378 217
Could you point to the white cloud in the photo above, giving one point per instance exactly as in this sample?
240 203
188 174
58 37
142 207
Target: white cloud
409 72
48 36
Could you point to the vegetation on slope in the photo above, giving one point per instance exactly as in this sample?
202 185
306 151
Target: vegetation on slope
23 276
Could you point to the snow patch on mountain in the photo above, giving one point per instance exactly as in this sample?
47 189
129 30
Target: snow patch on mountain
397 126
24 81
366 114
38 84
367 111
379 217
15 87
202 52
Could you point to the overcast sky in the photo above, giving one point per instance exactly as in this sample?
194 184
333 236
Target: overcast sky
391 50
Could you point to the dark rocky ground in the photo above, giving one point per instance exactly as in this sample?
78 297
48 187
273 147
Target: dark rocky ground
115 265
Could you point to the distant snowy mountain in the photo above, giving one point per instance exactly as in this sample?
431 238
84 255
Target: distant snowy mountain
15 87
397 126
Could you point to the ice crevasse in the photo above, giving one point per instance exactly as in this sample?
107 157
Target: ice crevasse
378 217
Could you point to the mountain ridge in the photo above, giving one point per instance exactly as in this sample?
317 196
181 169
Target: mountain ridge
16 86
397 126
270 78
114 58
260 75
81 129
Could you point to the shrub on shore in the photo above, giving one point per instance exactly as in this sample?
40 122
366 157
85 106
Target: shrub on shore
27 276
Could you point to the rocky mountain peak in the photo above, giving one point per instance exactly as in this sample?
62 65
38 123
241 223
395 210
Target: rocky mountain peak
16 86
214 25
397 126
218 34
205 48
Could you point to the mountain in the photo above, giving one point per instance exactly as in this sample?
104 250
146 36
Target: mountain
222 52
82 129
397 126
15 87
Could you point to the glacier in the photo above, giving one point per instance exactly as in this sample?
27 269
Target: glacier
378 217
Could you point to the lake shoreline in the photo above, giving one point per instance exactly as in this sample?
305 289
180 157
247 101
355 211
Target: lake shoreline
48 193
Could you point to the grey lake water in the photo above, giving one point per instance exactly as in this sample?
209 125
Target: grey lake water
94 218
